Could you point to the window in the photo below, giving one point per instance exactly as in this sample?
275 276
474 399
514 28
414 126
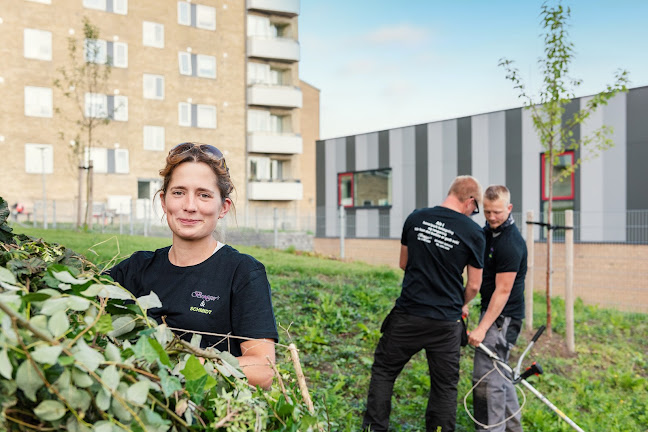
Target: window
206 116
38 44
153 34
39 159
184 61
184 114
120 54
197 64
100 51
370 188
115 6
41 1
259 26
102 106
263 121
268 169
196 115
258 73
96 51
206 66
153 87
38 102
564 188
196 15
205 17
154 138
108 161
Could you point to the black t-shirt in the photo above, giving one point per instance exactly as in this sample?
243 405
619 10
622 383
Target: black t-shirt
505 252
440 243
228 293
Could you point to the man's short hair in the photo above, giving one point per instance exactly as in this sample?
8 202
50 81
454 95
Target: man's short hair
495 192
464 187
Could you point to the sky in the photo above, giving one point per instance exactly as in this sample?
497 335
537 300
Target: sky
381 64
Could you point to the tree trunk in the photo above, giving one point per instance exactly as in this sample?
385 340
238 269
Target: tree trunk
89 209
549 236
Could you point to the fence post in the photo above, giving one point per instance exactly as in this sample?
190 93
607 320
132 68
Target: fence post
528 283
275 224
146 217
35 215
54 214
342 231
132 214
569 279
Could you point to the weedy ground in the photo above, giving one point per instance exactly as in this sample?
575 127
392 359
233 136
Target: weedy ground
332 311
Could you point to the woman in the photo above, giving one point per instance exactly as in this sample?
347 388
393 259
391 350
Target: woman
204 285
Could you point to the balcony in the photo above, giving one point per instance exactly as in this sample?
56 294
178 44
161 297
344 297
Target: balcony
268 142
285 7
274 96
288 190
273 48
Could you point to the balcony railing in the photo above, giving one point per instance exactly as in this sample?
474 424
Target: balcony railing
273 48
275 95
267 142
287 190
286 7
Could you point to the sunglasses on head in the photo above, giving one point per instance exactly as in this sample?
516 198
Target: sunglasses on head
205 148
476 211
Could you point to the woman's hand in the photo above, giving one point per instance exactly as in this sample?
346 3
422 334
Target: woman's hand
257 360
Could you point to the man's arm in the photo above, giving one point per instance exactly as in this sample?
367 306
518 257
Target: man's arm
503 287
473 283
402 262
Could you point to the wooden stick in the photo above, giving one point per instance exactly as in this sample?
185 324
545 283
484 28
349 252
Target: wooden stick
300 378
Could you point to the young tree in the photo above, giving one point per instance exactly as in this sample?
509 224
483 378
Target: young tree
84 78
555 133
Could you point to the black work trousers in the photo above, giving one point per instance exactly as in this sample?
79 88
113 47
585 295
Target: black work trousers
403 336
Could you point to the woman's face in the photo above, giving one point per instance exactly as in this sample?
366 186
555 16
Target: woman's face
192 202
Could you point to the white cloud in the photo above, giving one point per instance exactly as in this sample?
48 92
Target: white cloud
405 34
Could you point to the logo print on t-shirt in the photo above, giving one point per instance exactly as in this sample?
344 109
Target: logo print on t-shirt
204 298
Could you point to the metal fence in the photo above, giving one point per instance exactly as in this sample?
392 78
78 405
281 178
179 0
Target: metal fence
270 227
617 227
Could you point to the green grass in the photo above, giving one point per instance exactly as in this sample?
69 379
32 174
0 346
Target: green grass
332 311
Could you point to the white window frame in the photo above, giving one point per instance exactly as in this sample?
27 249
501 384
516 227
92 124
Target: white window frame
184 114
184 58
38 101
210 61
184 13
41 1
96 105
95 4
258 120
205 17
120 60
153 86
153 34
120 7
258 26
37 44
102 53
34 158
258 73
153 138
120 108
262 165
121 161
206 116
99 158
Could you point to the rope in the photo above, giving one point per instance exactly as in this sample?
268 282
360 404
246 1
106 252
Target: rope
485 426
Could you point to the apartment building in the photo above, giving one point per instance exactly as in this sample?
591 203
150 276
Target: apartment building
223 72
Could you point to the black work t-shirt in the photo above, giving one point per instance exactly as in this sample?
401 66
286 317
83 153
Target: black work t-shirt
440 243
505 252
228 293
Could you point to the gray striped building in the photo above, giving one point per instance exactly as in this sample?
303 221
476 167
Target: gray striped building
380 177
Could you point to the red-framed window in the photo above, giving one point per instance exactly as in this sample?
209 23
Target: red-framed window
564 188
345 189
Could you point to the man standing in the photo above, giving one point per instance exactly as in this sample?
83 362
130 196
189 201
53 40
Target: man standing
502 311
436 245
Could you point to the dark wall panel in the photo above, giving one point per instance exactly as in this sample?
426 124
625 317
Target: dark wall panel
350 153
421 166
383 149
513 138
570 109
320 188
637 149
464 146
